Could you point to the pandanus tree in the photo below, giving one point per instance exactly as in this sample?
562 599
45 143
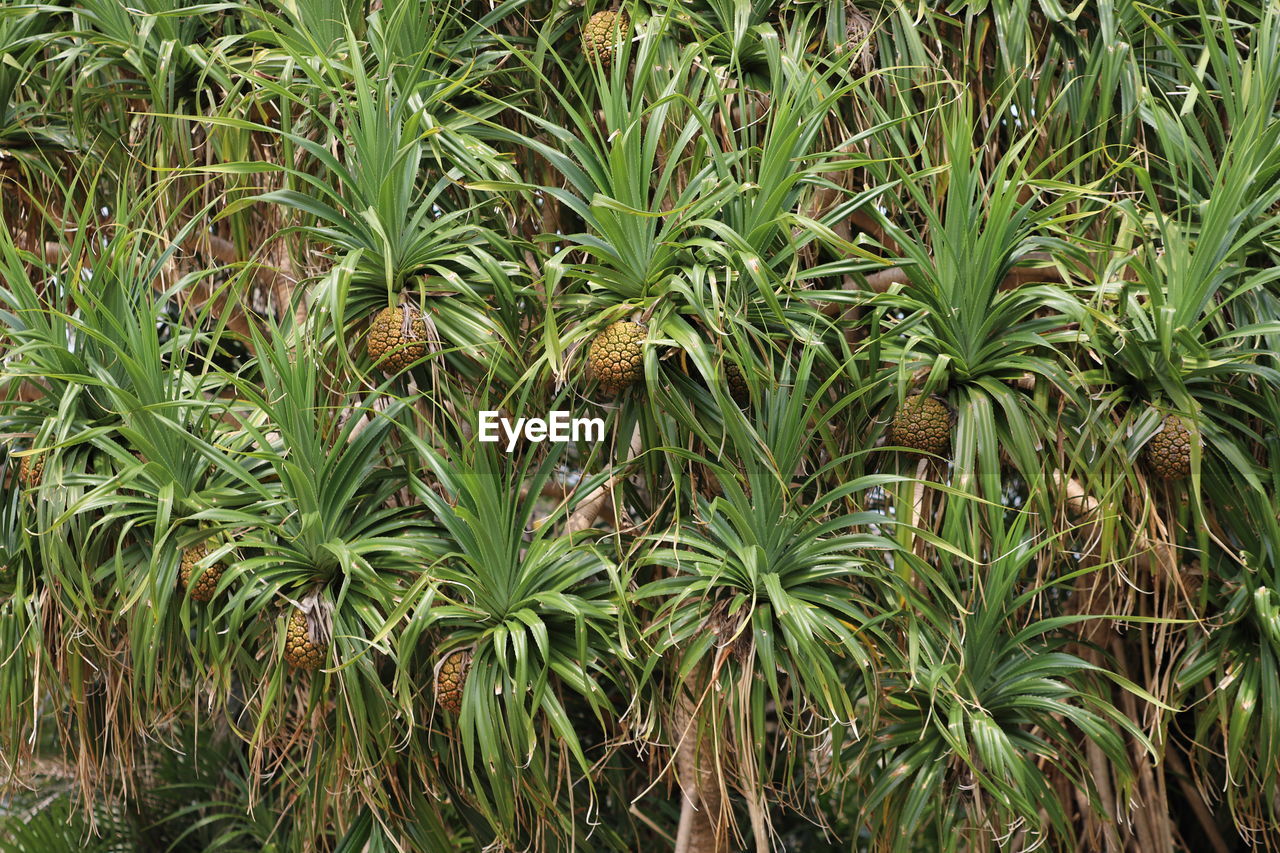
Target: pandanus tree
922 492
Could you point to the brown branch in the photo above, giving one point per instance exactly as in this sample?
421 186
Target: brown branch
584 517
1080 503
882 280
876 282
54 252
586 513
1024 273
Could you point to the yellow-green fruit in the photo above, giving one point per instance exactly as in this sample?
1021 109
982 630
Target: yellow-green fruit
922 424
451 680
300 651
31 470
1168 453
598 36
395 342
207 583
616 356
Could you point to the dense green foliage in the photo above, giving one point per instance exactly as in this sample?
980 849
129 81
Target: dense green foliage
751 617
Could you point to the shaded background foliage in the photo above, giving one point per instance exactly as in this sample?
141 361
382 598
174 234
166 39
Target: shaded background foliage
750 618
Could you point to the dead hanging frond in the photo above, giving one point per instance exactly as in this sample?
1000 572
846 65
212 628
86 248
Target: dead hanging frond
318 611
860 39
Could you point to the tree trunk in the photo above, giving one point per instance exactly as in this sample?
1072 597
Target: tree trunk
703 828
